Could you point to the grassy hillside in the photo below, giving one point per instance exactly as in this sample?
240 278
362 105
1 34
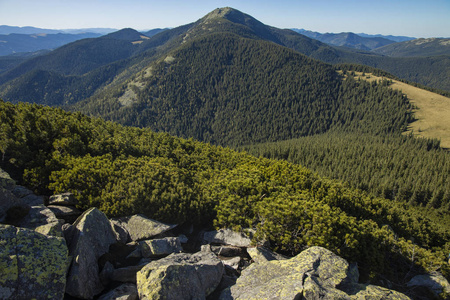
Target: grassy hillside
125 170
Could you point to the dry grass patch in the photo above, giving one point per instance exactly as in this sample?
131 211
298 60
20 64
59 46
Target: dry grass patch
432 110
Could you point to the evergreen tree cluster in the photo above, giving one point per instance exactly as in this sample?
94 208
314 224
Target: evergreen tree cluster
126 170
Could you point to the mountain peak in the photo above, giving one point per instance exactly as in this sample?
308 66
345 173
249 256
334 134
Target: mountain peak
127 34
232 15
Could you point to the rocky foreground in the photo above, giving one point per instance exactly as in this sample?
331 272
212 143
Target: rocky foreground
51 250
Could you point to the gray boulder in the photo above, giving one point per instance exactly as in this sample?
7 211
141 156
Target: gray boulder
6 181
7 201
126 274
33 266
64 199
160 247
126 291
42 220
122 235
33 200
315 273
180 276
139 227
227 237
21 191
261 254
92 237
435 282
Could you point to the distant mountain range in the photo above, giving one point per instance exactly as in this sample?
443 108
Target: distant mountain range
5 29
358 41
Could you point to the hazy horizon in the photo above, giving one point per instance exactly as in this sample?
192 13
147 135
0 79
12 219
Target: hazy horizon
406 18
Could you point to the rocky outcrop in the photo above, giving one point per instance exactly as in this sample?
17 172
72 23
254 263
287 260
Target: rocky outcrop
92 238
315 273
33 266
180 276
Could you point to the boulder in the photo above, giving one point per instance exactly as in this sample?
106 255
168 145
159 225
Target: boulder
33 200
434 282
64 199
68 213
126 274
7 201
126 291
180 276
33 266
21 191
139 227
42 220
261 254
92 237
160 247
6 181
227 237
315 273
232 262
122 235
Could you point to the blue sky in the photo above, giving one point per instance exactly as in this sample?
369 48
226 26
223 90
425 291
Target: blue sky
417 18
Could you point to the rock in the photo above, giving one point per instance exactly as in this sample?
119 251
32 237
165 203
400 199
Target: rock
20 191
183 239
106 273
180 276
64 211
33 200
33 266
231 251
68 213
435 282
160 247
261 254
315 273
126 274
6 181
140 227
42 220
232 262
126 291
92 238
122 235
7 201
64 199
226 237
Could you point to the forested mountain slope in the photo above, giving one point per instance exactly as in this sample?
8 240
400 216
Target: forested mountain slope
126 170
86 67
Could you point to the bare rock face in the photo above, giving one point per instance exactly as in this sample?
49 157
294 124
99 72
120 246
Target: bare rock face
33 266
91 239
139 227
315 273
180 276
